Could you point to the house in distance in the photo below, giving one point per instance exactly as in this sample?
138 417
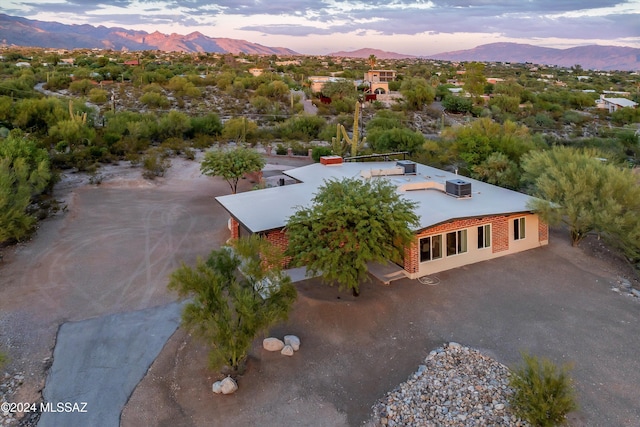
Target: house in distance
462 220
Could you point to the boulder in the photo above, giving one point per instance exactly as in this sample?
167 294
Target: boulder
217 387
293 341
287 350
272 344
228 386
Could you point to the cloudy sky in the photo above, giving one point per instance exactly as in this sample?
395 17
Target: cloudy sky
322 26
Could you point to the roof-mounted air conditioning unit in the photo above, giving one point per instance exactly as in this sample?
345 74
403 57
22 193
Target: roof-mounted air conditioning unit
408 165
458 188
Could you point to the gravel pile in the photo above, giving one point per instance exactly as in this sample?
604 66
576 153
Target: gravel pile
457 386
8 385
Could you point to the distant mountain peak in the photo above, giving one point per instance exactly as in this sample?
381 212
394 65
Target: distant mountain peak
594 57
366 52
25 32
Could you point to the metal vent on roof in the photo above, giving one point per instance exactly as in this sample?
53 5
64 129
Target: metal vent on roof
408 165
458 188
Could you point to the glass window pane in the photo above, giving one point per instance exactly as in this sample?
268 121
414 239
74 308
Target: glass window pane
451 243
487 236
425 249
436 247
462 241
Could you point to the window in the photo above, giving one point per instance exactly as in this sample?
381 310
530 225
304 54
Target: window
484 236
430 248
456 242
518 229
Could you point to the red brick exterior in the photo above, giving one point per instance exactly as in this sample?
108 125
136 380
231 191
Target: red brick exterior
330 160
499 237
234 227
278 238
543 231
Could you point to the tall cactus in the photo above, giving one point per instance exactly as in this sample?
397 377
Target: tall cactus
342 141
77 117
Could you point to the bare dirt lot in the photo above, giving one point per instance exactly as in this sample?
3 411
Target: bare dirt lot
112 251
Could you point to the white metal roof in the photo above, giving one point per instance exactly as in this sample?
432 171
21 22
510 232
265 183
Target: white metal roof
270 208
622 102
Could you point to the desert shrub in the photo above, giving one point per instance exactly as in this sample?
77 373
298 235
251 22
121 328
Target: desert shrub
281 150
98 96
319 152
543 392
456 104
155 164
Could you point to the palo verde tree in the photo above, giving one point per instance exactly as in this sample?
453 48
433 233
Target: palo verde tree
24 173
582 190
350 223
237 293
231 164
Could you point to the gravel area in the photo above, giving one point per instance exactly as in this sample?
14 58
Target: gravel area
457 386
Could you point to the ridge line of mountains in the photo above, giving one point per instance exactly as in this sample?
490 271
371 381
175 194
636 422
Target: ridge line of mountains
17 31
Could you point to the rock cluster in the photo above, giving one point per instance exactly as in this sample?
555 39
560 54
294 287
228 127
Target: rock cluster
225 386
287 347
9 384
624 287
457 386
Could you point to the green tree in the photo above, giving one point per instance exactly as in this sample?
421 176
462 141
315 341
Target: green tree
498 169
456 104
231 165
240 129
417 93
24 173
474 79
396 139
238 293
174 124
208 124
581 190
339 89
350 223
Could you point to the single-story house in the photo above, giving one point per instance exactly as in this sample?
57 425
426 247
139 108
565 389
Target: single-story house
614 104
462 220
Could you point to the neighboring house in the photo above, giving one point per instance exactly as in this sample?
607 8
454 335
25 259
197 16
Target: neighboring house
614 104
318 82
378 80
462 221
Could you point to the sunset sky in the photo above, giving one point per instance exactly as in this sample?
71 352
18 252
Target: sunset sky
324 26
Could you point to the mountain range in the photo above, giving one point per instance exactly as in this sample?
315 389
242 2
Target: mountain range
17 31
26 32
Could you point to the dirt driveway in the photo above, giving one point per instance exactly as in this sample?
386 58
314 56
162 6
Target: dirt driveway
113 250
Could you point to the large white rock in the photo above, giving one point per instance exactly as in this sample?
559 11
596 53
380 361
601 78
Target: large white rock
287 350
217 387
293 341
228 386
272 344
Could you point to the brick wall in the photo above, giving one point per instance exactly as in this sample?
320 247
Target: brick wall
278 238
543 231
234 227
499 237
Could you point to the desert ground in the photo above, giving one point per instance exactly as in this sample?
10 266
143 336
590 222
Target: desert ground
108 255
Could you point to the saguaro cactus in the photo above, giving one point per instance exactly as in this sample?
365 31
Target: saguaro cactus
342 141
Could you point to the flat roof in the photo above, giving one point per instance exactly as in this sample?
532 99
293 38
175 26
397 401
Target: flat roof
270 208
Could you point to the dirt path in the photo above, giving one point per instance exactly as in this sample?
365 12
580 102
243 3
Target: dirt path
110 252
